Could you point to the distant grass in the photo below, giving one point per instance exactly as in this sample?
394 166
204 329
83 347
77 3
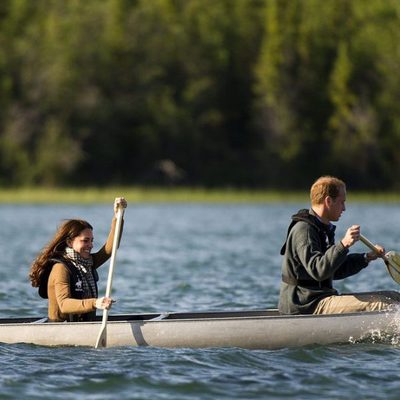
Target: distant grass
184 195
143 195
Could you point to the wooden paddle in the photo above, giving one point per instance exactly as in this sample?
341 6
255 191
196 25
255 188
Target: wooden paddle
392 260
102 338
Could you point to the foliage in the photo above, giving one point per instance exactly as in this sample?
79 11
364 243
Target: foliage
251 93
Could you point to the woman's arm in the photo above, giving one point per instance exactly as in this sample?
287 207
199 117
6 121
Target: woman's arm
60 280
104 253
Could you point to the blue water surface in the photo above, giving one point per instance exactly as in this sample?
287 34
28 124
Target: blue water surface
190 257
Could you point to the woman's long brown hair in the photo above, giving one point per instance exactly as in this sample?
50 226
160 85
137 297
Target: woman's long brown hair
55 248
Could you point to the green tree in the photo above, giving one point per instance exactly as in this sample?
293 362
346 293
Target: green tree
320 87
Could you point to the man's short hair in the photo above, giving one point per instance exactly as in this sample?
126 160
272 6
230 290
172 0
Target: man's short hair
325 186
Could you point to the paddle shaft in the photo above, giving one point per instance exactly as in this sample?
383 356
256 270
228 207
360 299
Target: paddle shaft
372 246
117 234
369 244
102 338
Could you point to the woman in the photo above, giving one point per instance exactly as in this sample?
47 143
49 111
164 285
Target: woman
65 270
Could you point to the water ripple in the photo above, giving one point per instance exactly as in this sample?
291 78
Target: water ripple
185 258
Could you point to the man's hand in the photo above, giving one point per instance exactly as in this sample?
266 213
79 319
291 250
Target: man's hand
352 235
373 255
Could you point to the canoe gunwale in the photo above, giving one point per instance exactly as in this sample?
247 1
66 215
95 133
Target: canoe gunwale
201 315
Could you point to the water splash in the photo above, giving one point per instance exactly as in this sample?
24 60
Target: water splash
388 335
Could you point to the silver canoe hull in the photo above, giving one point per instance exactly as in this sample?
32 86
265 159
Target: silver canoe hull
244 329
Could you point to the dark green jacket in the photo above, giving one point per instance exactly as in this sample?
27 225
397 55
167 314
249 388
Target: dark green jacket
311 261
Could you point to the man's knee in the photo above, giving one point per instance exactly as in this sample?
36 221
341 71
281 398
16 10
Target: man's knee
384 300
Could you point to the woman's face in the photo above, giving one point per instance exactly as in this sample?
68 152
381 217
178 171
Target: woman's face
83 243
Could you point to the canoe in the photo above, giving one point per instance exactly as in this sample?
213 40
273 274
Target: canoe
255 329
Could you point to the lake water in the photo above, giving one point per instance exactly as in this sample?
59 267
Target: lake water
191 258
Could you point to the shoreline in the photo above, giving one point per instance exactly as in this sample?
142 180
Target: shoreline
74 195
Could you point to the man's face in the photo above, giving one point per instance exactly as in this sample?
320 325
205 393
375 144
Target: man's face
337 206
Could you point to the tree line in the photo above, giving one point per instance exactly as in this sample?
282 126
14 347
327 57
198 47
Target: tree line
246 93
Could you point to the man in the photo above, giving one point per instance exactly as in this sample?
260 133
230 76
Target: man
312 259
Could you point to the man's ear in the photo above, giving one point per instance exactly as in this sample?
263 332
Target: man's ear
328 201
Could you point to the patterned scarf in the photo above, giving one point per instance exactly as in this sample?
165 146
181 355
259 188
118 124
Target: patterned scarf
84 267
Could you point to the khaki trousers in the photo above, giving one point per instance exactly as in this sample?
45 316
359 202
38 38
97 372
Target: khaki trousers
353 302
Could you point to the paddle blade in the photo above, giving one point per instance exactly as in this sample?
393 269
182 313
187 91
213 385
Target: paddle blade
393 265
102 338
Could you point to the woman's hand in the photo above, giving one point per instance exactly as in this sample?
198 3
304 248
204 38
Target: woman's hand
119 202
104 303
